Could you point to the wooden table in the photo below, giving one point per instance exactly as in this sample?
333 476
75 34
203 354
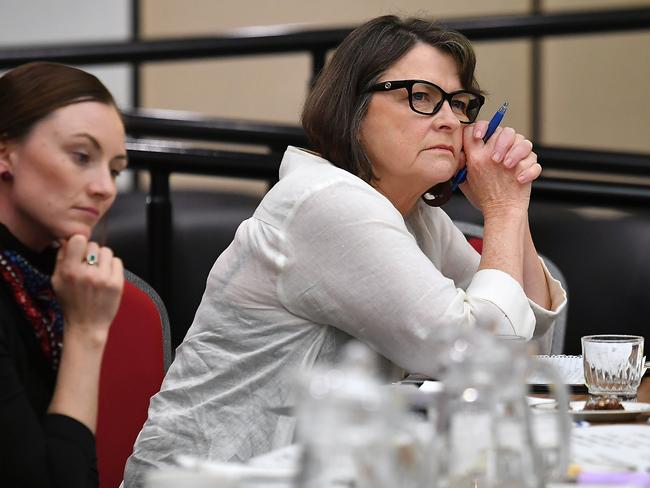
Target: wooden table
643 393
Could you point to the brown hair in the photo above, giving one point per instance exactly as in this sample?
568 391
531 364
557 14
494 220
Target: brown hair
32 91
339 99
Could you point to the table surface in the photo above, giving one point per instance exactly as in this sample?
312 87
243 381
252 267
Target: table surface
643 393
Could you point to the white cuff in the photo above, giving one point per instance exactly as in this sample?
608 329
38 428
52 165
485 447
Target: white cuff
506 293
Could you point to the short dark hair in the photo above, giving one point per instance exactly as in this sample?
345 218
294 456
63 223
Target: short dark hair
338 101
32 91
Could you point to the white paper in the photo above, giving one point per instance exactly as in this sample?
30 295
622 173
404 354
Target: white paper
615 447
533 400
431 386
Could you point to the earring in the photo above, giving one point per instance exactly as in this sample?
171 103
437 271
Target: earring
6 176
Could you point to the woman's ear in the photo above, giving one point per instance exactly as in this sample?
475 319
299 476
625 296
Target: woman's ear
6 151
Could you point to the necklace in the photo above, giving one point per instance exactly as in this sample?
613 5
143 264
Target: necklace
32 291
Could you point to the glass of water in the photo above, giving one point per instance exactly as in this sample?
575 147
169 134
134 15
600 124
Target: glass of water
613 364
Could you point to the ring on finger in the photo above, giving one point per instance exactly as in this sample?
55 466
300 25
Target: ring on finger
92 258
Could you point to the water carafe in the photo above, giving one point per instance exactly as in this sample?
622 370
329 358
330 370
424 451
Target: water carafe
486 434
355 431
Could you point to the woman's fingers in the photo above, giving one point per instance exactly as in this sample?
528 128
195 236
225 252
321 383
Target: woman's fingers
519 156
478 129
117 273
505 139
530 174
112 269
69 259
519 151
528 169
105 258
91 255
506 146
472 135
75 250
78 251
88 281
60 255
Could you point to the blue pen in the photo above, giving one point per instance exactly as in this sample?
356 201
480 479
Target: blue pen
461 176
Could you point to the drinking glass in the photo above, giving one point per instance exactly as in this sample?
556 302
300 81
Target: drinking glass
613 364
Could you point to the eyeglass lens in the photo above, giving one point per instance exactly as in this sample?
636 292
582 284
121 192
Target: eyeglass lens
428 99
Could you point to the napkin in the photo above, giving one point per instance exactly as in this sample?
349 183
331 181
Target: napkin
569 368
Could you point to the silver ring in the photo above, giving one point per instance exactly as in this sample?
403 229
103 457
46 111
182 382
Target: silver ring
91 258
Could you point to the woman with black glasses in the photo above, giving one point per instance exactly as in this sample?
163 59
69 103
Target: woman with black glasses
344 246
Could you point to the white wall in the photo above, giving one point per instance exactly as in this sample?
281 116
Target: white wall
43 22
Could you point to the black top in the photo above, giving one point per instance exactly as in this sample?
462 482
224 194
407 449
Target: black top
37 449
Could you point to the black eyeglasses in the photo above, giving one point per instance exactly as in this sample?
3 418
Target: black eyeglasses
426 98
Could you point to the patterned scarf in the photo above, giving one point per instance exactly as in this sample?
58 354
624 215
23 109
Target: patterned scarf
32 291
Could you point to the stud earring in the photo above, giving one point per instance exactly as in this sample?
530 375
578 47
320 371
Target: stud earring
6 176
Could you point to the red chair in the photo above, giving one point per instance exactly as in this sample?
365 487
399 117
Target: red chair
136 358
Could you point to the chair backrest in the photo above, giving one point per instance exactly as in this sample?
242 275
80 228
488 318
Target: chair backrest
136 357
552 342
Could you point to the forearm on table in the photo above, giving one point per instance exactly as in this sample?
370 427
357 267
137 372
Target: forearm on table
535 284
77 387
503 242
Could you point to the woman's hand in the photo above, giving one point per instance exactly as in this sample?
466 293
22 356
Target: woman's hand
499 171
89 294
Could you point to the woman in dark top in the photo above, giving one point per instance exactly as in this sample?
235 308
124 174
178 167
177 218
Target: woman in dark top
61 147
